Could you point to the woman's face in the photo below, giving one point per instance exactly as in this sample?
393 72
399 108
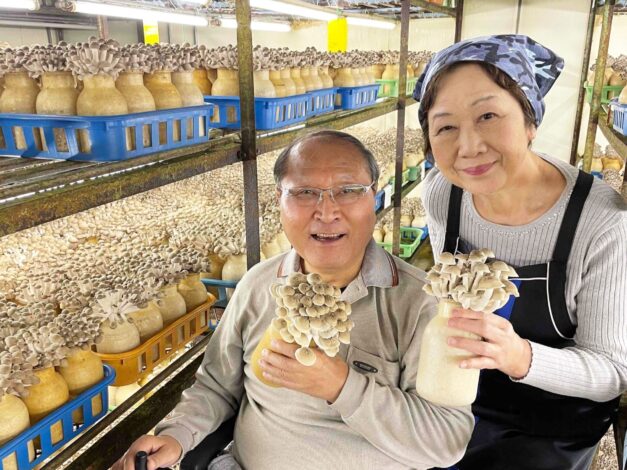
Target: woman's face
477 132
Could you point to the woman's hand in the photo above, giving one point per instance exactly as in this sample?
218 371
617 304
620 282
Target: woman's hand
163 451
501 347
324 379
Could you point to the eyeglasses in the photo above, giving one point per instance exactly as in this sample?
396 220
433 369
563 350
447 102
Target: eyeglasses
311 197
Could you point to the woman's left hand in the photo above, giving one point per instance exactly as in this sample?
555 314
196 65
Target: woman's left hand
501 348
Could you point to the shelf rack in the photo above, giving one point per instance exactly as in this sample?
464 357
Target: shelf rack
598 116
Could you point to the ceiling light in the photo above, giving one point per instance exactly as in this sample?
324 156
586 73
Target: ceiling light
197 2
293 10
355 21
138 13
257 25
21 5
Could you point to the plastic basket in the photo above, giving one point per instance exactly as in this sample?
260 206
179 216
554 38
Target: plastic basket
222 301
356 97
103 138
270 113
379 200
606 91
404 178
414 173
18 447
389 87
410 239
321 101
133 365
619 119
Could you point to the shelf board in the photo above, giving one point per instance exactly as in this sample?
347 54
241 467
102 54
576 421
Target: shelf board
406 190
617 141
33 191
434 7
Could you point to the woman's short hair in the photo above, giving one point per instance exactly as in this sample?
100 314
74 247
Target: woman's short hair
498 76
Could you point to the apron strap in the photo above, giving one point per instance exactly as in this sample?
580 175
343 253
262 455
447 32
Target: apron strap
568 228
452 222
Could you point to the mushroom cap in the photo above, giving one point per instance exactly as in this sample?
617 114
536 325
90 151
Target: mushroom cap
498 266
489 282
433 275
452 269
305 356
447 258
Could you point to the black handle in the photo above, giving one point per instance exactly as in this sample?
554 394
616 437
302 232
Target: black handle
141 460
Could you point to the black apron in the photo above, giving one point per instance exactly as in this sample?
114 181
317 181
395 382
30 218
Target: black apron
519 426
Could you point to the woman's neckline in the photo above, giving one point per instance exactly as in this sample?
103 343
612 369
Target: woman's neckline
546 217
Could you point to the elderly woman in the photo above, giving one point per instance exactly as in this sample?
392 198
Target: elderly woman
554 364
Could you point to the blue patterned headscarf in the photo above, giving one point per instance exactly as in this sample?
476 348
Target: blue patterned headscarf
534 67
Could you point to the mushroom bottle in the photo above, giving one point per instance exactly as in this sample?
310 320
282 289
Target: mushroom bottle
458 281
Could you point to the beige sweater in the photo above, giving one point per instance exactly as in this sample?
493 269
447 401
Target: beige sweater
377 422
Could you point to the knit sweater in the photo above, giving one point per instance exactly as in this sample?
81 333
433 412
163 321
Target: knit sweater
377 422
596 287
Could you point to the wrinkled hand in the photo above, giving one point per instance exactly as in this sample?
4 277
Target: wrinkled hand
163 451
501 347
324 379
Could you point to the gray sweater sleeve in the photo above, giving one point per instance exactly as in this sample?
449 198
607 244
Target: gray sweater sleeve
398 422
596 289
217 392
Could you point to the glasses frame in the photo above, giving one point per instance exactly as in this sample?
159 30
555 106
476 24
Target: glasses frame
367 188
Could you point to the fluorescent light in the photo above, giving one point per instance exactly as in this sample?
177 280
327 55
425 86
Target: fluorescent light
293 10
21 5
370 23
198 2
257 25
138 13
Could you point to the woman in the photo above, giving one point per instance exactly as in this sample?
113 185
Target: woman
554 364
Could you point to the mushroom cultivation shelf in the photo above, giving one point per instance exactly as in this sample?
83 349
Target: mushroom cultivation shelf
356 97
39 436
619 117
137 363
103 138
410 239
389 88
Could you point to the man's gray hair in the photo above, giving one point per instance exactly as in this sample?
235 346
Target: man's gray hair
280 166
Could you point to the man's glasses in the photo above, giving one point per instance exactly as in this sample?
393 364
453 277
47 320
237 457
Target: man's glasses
311 197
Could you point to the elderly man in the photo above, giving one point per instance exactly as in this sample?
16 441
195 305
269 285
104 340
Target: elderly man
358 410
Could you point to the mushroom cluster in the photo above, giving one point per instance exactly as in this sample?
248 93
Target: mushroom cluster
96 57
14 59
309 309
50 58
135 58
472 281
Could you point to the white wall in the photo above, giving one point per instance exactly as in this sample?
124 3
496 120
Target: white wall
23 36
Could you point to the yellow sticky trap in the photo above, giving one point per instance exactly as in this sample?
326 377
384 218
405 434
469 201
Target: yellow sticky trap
151 32
337 32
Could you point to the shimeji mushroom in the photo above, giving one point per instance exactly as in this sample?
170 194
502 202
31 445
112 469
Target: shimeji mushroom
311 310
471 281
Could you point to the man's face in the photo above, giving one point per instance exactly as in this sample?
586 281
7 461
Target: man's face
330 238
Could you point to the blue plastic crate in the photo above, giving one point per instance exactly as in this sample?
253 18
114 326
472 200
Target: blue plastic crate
222 298
321 101
619 121
270 113
379 200
41 430
356 97
103 138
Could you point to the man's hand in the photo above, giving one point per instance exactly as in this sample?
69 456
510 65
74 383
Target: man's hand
501 347
324 379
163 451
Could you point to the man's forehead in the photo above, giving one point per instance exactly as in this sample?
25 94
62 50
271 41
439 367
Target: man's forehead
311 150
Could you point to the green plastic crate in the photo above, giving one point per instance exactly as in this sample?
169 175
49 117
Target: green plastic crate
389 88
404 178
410 240
607 93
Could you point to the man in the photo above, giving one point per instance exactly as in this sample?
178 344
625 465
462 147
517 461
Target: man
358 410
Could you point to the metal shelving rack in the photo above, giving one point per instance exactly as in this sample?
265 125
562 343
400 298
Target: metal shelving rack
33 192
598 113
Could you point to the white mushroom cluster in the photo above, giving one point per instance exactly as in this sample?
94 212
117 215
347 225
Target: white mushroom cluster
96 57
223 58
471 280
309 309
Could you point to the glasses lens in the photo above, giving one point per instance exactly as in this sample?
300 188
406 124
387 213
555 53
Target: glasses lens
348 194
304 196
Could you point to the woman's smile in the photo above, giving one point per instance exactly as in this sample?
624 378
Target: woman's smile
478 170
